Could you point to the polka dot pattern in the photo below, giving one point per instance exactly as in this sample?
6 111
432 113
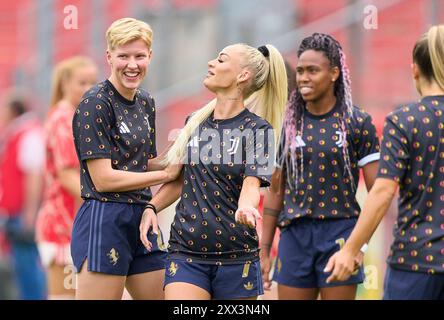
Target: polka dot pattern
413 155
325 190
106 125
204 228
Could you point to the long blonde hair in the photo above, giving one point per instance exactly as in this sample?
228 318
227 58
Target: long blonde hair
62 72
428 54
436 49
266 96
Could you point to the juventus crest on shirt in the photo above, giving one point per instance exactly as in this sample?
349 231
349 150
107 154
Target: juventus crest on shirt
221 154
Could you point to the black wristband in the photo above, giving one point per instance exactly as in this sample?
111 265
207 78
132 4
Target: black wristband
151 206
271 212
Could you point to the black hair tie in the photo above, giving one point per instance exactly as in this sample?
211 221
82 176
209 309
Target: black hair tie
264 51
150 206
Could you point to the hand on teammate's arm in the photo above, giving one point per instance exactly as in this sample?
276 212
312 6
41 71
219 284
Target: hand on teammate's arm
342 263
107 179
158 163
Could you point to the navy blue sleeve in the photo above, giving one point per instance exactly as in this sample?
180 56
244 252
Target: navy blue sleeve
368 144
395 153
93 121
151 110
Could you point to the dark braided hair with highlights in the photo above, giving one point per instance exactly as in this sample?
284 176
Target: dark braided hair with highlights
294 115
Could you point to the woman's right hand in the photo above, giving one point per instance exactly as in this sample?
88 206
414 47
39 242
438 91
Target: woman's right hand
149 219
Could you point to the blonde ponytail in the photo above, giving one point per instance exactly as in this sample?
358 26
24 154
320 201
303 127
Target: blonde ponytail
62 72
270 101
177 151
436 49
266 96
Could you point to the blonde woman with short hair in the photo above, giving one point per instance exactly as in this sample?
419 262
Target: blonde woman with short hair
114 132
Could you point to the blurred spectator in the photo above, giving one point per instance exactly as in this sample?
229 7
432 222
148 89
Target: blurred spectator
21 163
7 291
291 77
71 79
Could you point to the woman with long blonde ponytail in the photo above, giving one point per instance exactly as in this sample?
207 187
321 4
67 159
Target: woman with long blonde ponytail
228 151
266 97
412 161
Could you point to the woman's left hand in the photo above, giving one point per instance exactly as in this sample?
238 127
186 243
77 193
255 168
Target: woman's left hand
148 221
342 265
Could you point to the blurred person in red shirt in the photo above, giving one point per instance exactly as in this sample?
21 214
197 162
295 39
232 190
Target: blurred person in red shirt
21 163
71 79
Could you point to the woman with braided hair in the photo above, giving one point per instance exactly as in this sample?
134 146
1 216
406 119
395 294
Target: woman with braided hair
325 141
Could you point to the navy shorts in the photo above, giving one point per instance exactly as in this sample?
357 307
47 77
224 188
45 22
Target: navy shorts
107 234
304 249
234 281
409 285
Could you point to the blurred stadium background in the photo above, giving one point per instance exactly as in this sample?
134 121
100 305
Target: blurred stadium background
187 33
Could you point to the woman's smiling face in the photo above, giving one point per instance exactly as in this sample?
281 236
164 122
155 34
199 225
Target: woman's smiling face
314 75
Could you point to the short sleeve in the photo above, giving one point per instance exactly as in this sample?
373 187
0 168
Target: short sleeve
93 121
394 151
152 125
368 145
260 154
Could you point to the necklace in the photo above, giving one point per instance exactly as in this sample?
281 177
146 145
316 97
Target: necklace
216 122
